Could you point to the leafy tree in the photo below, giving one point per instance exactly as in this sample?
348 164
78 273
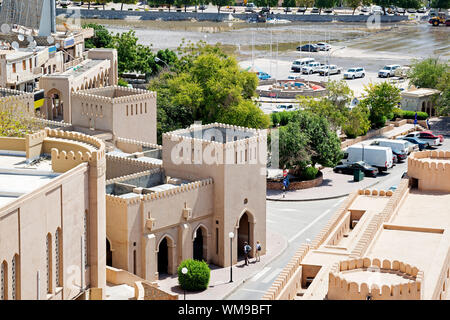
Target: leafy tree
381 99
427 73
323 4
126 46
305 3
443 101
354 4
288 3
384 4
221 3
122 2
334 106
245 114
358 122
15 123
121 82
307 140
101 39
440 4
266 3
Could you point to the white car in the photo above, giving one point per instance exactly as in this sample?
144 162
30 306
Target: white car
329 70
312 67
323 46
298 64
65 2
388 71
353 73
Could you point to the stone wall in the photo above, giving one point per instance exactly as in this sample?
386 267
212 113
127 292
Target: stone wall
210 16
296 185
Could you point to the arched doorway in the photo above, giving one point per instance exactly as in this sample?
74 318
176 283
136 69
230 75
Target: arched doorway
200 244
163 257
108 254
243 234
55 105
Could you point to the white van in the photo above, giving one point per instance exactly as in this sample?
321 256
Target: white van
398 146
380 157
298 64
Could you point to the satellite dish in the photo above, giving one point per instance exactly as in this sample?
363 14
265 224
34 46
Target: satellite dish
5 28
15 45
32 44
20 37
30 39
57 46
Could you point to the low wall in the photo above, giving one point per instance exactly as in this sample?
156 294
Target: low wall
213 16
12 144
369 135
296 185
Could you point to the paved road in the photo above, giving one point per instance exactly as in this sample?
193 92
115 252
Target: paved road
300 221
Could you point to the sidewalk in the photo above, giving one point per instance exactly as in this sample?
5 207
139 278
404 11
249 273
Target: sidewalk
334 185
219 285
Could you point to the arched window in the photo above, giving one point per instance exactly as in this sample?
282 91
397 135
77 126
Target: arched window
58 257
49 262
4 281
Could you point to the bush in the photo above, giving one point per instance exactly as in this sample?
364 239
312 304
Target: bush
309 173
197 277
411 115
275 118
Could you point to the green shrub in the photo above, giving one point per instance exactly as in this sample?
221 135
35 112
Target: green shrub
197 277
285 117
113 9
309 173
411 115
122 83
398 113
275 117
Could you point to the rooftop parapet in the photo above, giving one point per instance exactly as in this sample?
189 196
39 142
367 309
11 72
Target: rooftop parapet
431 169
375 284
115 94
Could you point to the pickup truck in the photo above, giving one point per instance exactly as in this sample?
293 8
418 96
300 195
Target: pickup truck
329 69
431 140
312 67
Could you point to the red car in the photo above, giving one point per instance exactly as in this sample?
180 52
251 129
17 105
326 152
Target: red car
428 134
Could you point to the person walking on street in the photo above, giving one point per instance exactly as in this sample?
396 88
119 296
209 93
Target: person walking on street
247 250
258 251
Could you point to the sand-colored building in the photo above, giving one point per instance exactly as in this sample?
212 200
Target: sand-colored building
52 216
125 112
420 99
211 182
380 245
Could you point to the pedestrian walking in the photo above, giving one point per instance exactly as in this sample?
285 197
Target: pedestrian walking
247 250
258 251
428 125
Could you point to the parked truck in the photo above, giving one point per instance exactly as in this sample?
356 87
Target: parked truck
379 157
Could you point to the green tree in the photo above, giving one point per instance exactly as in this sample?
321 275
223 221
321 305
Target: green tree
323 4
288 4
245 114
305 3
294 149
126 46
221 3
443 101
266 3
381 99
122 2
334 107
358 122
354 4
427 73
440 4
101 39
409 4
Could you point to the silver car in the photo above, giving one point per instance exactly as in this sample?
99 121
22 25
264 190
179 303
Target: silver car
353 73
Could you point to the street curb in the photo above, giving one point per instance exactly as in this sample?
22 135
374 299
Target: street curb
241 282
318 199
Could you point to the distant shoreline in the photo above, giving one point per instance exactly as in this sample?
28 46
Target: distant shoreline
216 17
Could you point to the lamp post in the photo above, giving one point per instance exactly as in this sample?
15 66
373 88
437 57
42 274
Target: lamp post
160 60
231 235
184 271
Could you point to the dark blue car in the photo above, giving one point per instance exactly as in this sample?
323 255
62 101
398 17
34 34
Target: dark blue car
422 145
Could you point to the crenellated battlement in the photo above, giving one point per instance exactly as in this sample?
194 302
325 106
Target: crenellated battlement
375 192
134 175
107 95
180 189
138 143
431 168
385 280
13 99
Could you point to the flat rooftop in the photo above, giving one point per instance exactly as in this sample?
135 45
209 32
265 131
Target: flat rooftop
215 133
18 178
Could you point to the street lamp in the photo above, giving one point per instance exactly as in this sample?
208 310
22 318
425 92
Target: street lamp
159 60
231 235
184 271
